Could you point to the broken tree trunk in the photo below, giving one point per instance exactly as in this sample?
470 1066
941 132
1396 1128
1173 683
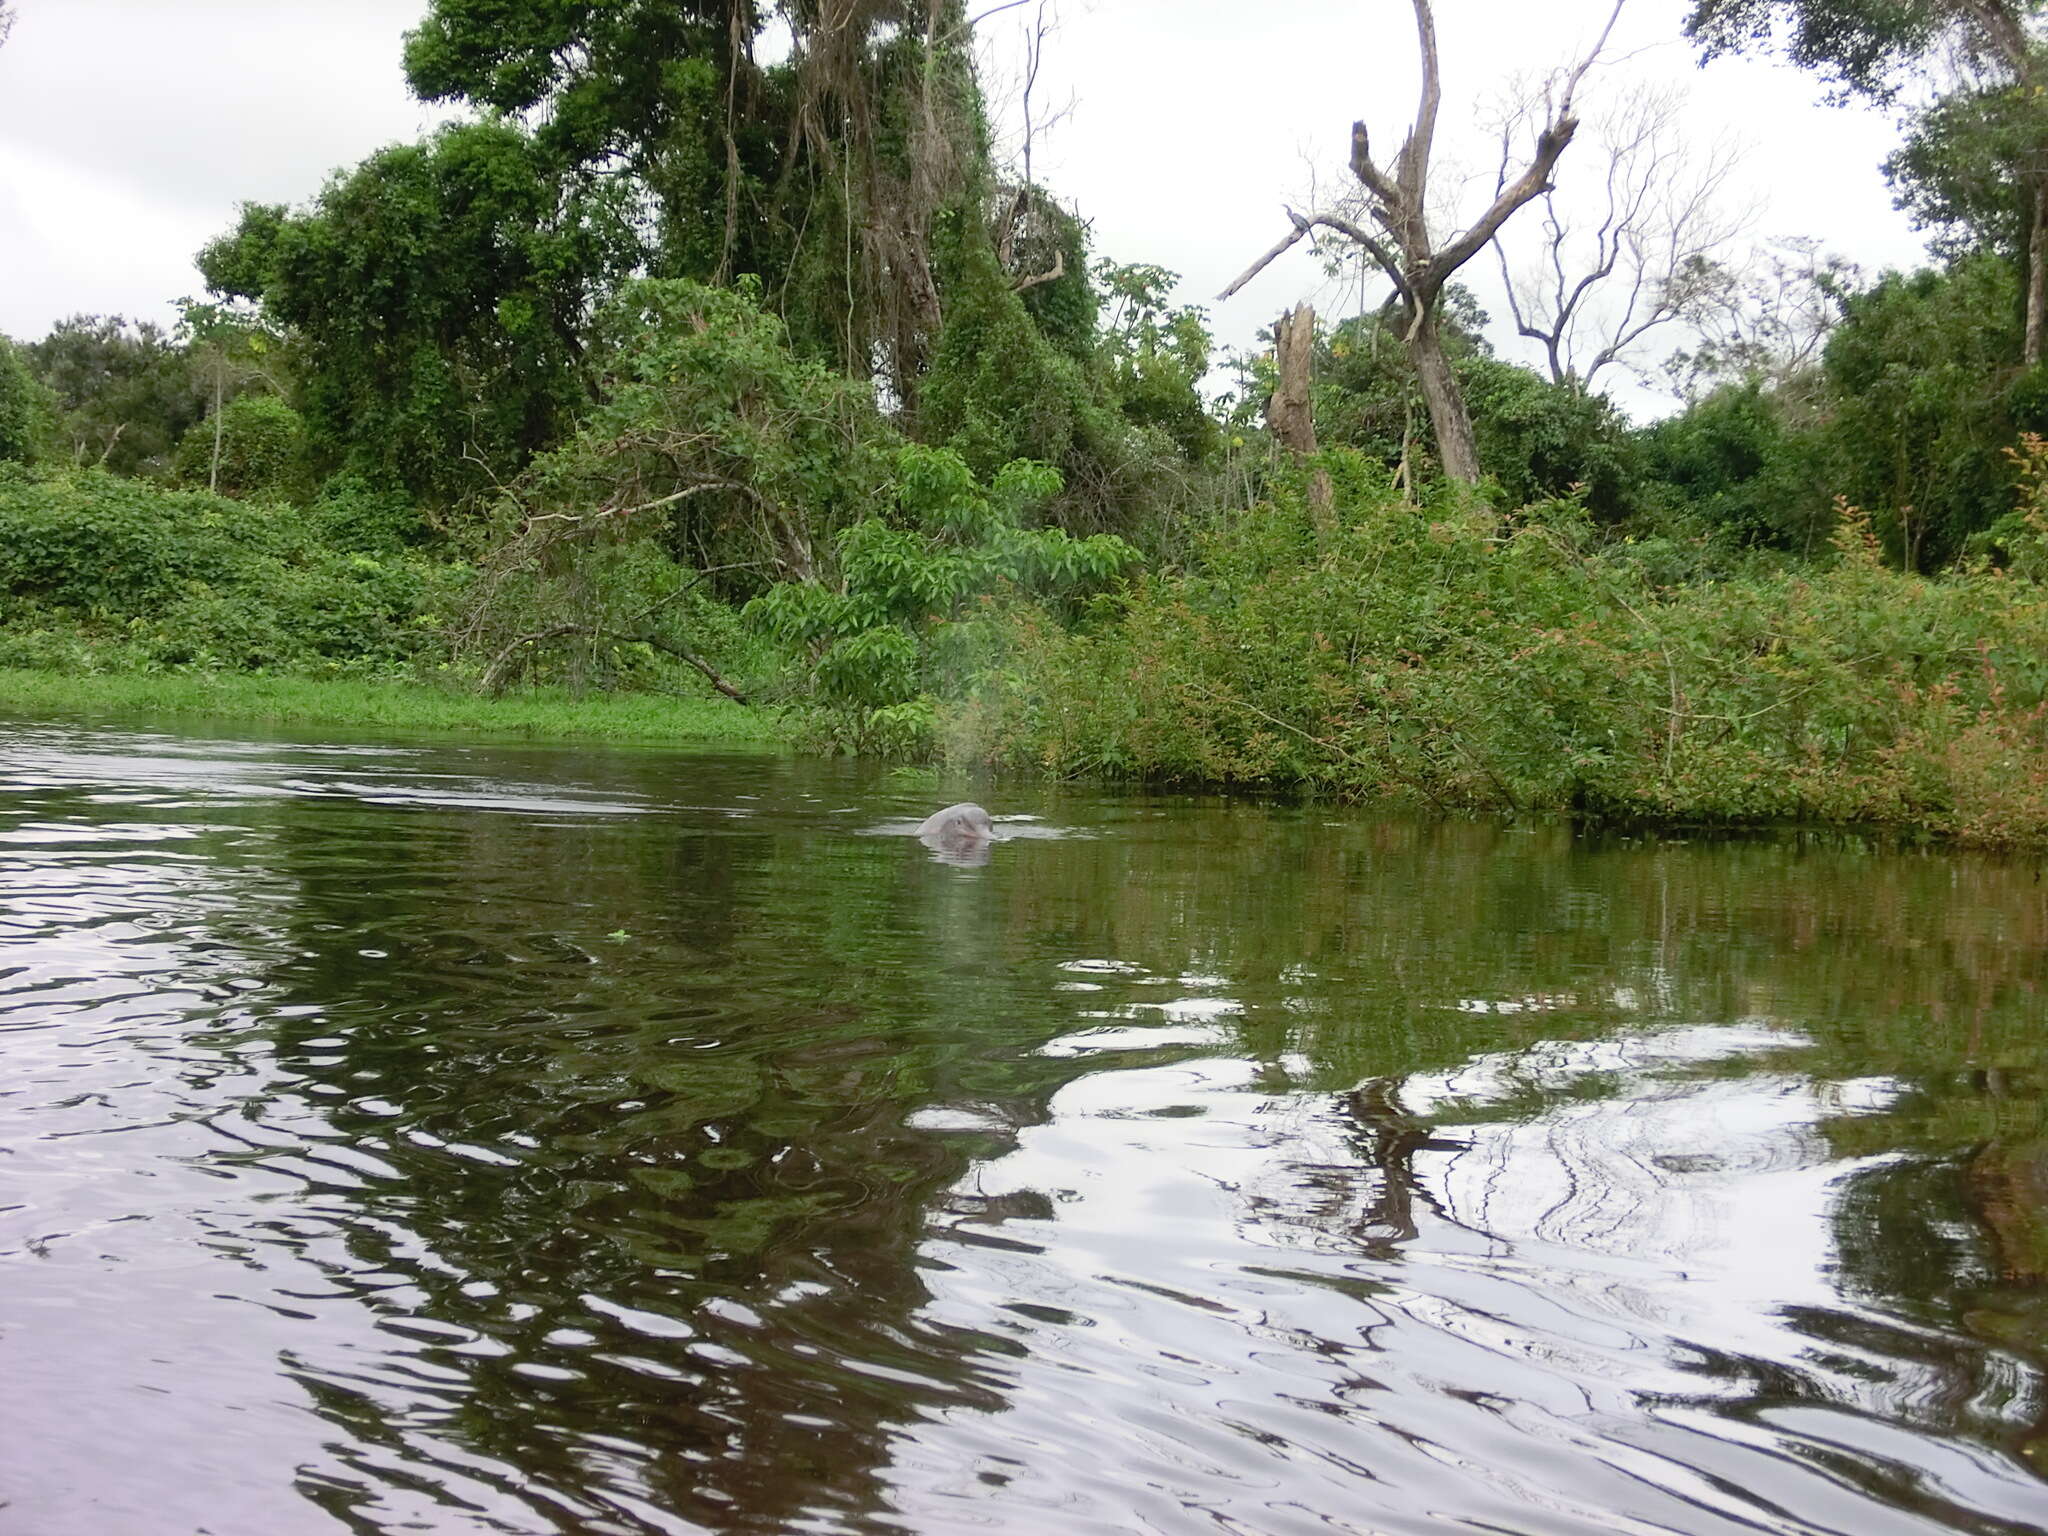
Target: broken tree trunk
1290 413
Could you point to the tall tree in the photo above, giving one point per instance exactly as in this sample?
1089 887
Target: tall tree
823 172
1389 220
1876 49
124 393
440 291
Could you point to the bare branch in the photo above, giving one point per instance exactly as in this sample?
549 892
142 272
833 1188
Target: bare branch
1417 263
1604 268
1057 271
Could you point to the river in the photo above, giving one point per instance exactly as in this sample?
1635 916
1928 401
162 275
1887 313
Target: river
406 1136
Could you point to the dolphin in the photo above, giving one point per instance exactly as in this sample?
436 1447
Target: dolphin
962 828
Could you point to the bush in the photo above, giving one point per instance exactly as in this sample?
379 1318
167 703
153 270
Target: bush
897 633
1732 467
167 578
351 513
1419 654
261 443
25 408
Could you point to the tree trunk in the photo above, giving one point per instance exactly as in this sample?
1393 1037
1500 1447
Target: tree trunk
213 474
1456 449
2037 278
1290 413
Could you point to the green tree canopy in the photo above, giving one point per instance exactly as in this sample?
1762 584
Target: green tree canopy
822 172
125 393
441 291
25 408
1924 399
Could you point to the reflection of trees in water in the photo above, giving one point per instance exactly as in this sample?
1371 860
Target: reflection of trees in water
665 1193
649 1207
1916 1302
1954 1233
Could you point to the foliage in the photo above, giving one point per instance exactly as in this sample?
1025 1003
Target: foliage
1860 47
1960 171
1733 467
1365 392
1537 439
897 632
113 572
26 408
439 290
713 449
2018 542
353 514
999 390
254 448
707 417
125 393
821 173
1156 353
1415 652
1923 400
1541 440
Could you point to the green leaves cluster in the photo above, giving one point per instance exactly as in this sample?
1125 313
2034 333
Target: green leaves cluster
26 408
98 571
439 291
1420 653
886 642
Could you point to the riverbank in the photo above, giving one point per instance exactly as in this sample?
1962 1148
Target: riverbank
241 698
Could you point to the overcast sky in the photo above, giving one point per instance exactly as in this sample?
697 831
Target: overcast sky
131 129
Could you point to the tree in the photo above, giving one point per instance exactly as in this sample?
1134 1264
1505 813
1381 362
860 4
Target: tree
1764 322
1155 354
823 173
1738 464
440 291
1390 222
1596 275
1366 393
125 393
1922 403
1964 170
25 407
1875 49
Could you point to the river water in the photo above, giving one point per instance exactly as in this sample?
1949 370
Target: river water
413 1137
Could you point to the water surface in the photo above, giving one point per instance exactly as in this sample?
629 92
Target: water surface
419 1138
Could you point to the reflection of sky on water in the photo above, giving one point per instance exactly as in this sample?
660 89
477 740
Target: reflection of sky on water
1598 1320
360 1149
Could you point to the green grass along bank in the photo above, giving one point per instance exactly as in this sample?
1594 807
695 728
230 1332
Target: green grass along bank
543 714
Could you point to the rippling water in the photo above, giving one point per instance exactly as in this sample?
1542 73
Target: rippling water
495 1140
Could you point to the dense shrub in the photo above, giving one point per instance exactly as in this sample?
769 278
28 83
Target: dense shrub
254 448
158 578
1732 466
25 408
899 633
1422 653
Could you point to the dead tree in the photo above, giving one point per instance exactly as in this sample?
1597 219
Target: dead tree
1290 412
1392 227
1598 273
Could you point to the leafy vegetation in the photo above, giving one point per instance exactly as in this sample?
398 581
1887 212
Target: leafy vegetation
691 366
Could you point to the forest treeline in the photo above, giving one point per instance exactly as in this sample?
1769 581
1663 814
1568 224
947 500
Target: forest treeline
714 347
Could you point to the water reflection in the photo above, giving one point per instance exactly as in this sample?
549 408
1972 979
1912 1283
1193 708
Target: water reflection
545 1141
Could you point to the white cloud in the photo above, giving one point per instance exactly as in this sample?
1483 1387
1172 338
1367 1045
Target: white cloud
130 130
